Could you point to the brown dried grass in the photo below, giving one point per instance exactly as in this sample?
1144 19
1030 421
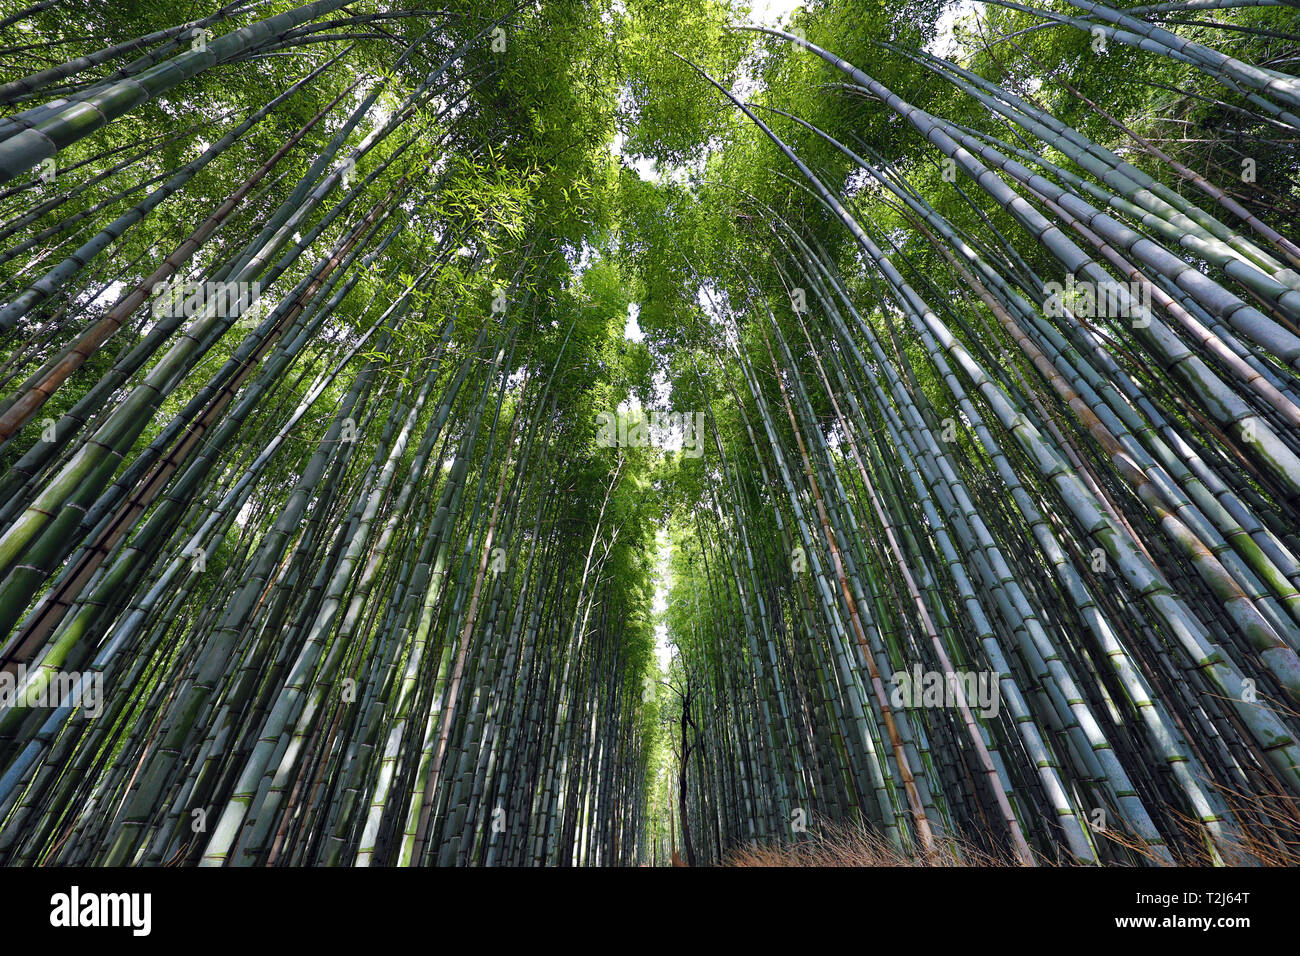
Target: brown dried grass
1268 824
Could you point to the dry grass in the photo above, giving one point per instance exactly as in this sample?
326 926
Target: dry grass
1268 825
845 845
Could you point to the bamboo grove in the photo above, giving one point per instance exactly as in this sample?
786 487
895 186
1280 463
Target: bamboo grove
1001 391
333 548
315 548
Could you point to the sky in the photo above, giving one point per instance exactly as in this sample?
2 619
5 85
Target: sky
768 12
